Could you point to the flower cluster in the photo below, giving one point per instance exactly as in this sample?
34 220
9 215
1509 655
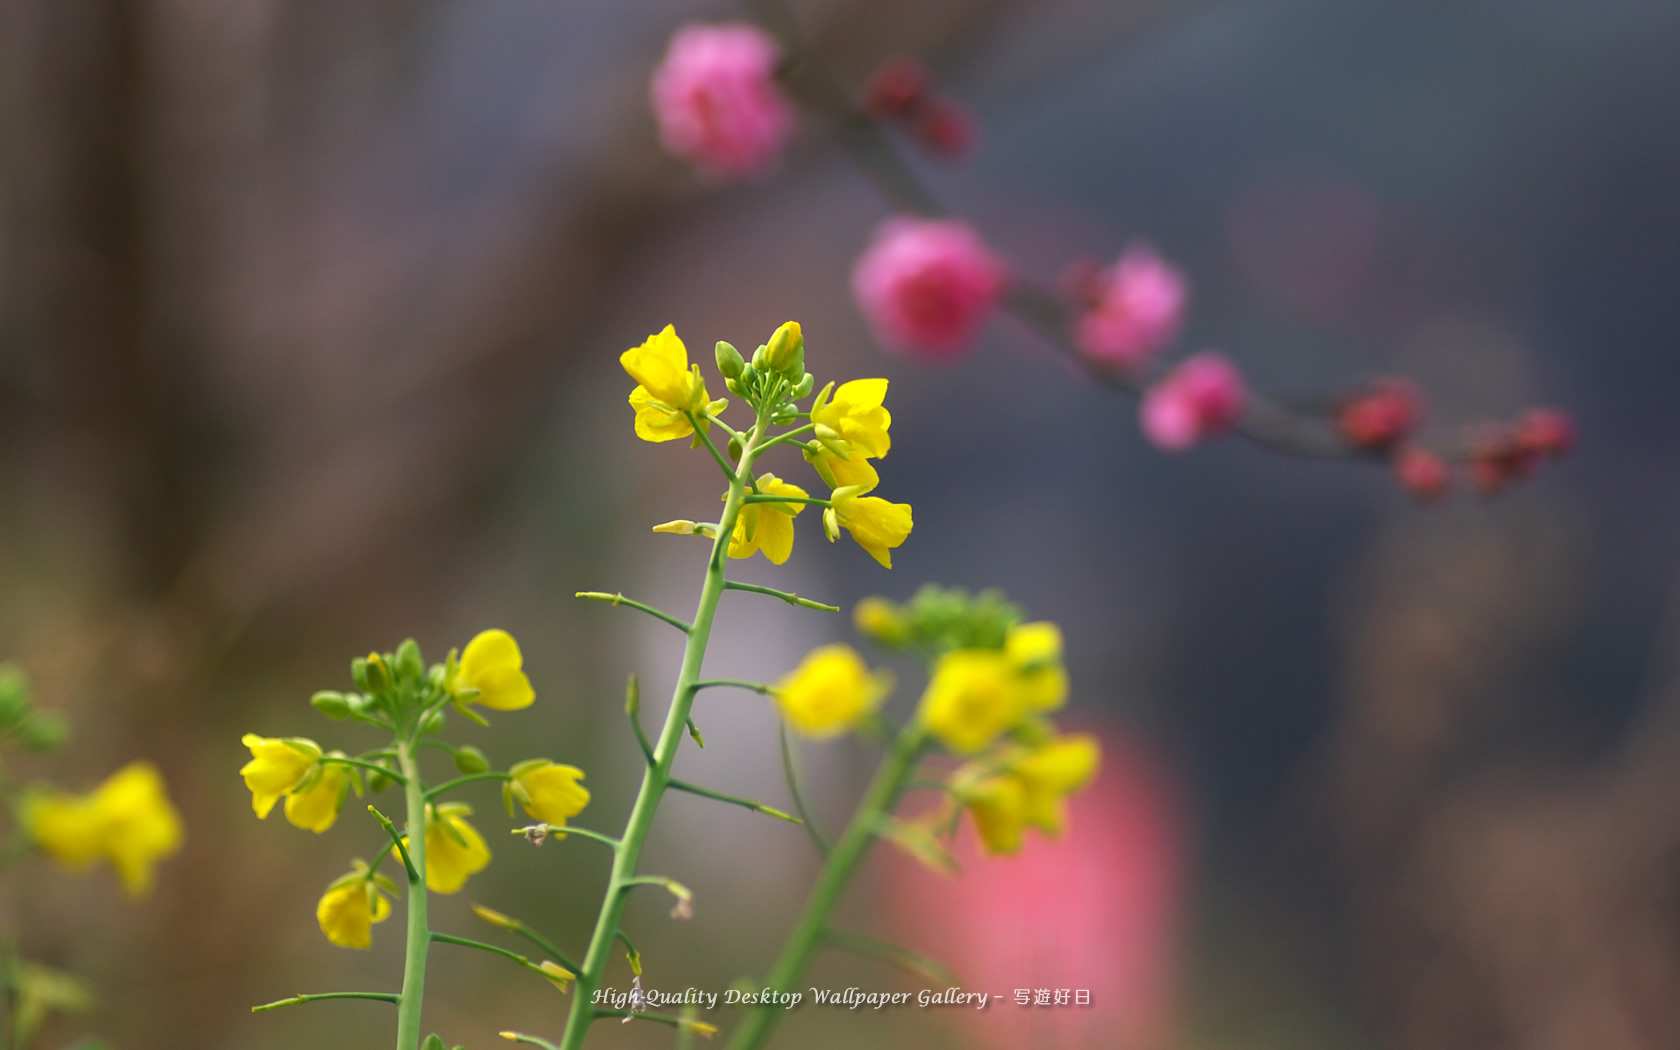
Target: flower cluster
900 92
994 684
845 428
400 694
128 821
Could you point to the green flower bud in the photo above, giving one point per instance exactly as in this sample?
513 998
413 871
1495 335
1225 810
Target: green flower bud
433 722
758 362
14 695
377 781
735 448
45 731
785 352
470 759
803 388
434 1042
410 667
729 360
335 706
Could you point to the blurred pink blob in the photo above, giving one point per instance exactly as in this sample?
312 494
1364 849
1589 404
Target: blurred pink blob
1097 910
1202 397
926 286
717 103
1136 309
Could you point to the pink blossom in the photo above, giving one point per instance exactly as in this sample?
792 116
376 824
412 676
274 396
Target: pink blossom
716 100
1137 306
1202 397
926 285
1097 909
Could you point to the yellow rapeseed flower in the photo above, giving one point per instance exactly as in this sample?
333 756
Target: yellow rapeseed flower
1050 773
876 525
454 848
972 698
856 414
128 820
492 664
1036 651
668 387
840 472
550 792
348 910
830 690
276 767
315 808
767 526
999 806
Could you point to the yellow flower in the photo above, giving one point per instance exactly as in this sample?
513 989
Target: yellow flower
839 472
454 848
876 525
881 620
1050 773
767 526
830 690
855 413
971 699
276 767
128 820
315 808
668 387
1036 651
492 664
349 909
549 792
998 804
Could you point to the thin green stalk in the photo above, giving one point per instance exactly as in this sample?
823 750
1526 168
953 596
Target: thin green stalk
419 934
299 1000
451 785
848 855
656 776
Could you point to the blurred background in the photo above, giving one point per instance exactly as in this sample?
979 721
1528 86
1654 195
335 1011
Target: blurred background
309 324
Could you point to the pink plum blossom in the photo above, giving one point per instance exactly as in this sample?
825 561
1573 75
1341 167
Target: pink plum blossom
1136 308
1202 397
926 285
1097 909
717 102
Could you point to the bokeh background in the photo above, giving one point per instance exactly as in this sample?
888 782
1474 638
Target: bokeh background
309 317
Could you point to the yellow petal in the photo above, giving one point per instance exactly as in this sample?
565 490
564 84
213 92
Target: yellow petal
316 809
275 768
554 793
139 825
448 863
876 525
998 805
661 365
829 692
971 699
855 413
491 663
657 421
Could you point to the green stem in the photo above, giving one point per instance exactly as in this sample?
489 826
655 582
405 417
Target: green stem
450 785
374 766
772 497
657 774
722 463
619 599
786 596
733 800
807 937
298 1000
419 934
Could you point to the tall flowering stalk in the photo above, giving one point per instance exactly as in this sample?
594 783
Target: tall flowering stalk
438 849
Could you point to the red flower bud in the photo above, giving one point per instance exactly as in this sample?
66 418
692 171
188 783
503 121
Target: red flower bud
897 88
1422 474
1546 432
946 130
1381 416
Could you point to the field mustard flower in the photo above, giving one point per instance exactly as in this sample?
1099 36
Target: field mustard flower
998 804
856 414
839 471
276 767
348 910
971 699
1036 651
316 807
493 665
127 820
767 526
876 525
830 690
550 792
668 387
1050 773
454 848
